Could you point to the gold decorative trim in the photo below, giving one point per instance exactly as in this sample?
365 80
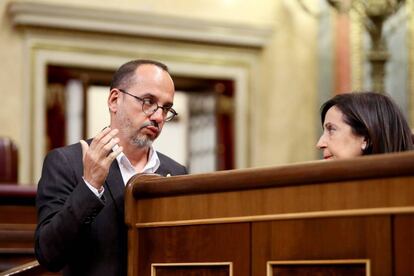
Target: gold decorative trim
301 215
20 269
155 265
367 263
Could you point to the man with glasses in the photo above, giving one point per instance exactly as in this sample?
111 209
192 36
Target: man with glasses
80 197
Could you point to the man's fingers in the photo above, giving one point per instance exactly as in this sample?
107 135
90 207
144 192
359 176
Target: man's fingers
101 141
99 136
108 137
109 146
85 148
111 157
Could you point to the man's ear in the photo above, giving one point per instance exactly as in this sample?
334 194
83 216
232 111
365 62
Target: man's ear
113 100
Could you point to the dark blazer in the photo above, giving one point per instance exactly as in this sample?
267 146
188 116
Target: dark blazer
77 231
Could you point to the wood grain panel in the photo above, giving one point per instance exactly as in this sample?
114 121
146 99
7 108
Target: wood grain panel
361 194
18 220
404 244
17 238
337 210
195 269
191 271
365 167
331 270
329 238
206 243
18 214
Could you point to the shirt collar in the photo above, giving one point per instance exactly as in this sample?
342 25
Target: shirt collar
127 170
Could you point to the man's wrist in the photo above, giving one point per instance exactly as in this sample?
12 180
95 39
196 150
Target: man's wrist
96 191
100 189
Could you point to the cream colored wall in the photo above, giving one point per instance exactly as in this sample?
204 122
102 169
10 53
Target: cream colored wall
10 79
289 97
283 113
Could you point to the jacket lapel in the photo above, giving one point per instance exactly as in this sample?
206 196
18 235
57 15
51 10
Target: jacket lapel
115 188
162 170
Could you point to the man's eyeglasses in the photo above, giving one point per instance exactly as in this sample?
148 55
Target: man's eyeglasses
149 107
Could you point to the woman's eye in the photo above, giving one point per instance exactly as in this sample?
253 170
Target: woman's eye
330 129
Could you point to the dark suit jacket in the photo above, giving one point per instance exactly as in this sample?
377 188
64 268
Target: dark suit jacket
77 231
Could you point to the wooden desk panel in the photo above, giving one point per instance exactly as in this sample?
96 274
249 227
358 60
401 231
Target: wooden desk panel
359 209
404 244
364 195
210 244
345 238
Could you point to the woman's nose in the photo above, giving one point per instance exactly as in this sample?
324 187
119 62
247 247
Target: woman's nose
321 142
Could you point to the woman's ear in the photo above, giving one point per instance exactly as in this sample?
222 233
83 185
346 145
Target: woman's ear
365 144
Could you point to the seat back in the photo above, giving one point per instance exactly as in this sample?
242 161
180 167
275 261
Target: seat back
8 161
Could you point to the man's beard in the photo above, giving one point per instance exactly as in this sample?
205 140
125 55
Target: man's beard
136 137
142 141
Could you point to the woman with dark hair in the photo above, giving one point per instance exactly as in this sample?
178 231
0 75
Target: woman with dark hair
362 123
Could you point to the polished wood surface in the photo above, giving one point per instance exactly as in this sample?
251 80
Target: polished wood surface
404 244
337 270
340 210
367 167
230 242
191 271
362 196
324 239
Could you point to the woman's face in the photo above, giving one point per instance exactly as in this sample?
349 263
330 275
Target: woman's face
338 140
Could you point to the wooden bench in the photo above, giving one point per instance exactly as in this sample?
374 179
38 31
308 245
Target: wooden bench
17 224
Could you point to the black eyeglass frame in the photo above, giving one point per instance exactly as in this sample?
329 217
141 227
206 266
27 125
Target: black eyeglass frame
164 109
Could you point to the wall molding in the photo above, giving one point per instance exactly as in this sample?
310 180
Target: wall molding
145 24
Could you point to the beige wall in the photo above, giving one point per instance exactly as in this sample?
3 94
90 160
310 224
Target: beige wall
285 108
289 96
11 64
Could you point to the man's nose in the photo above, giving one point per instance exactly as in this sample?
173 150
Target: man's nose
158 115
